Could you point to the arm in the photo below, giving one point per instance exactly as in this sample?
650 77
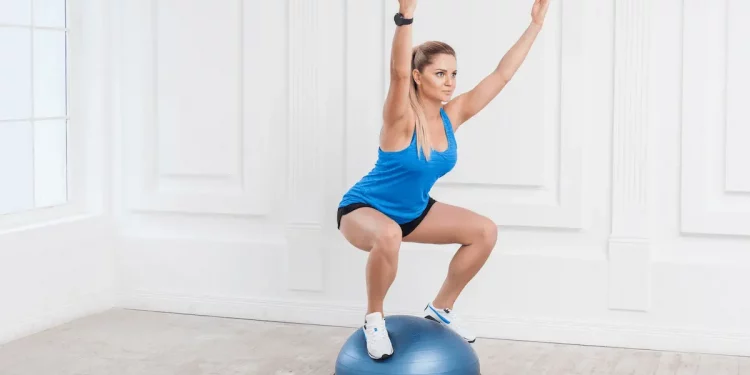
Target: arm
397 109
470 103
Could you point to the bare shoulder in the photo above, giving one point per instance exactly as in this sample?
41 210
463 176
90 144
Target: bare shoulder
453 111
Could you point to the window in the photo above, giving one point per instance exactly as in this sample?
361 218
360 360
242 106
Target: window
33 104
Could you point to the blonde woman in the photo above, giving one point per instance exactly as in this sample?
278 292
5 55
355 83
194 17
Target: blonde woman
392 203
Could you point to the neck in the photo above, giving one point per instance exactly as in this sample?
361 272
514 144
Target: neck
432 109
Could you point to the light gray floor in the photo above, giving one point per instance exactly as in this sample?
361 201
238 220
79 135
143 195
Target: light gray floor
122 342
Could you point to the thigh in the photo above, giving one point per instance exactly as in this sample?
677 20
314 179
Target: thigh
365 225
448 224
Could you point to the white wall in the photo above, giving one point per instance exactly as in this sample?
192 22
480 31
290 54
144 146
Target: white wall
52 274
613 164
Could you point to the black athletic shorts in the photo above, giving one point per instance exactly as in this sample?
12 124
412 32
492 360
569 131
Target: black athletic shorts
406 228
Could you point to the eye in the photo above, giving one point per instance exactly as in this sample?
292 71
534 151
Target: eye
440 74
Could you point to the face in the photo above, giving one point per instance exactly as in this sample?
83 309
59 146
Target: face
438 80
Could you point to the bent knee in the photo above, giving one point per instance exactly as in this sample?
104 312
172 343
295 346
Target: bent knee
484 233
488 232
388 238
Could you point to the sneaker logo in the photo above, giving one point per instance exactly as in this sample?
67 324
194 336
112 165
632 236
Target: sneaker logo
446 321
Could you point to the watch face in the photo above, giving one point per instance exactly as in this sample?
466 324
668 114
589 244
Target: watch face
398 18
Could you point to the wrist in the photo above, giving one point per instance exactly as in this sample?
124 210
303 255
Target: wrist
406 13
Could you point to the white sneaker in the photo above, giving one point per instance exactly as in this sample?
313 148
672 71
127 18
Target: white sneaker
378 342
449 319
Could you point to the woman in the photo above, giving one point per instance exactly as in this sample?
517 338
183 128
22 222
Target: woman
391 204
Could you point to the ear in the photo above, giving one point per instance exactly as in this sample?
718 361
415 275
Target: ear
417 76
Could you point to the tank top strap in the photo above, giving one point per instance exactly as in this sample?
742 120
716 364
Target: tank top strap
447 124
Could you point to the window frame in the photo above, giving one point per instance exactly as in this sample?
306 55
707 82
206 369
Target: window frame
88 34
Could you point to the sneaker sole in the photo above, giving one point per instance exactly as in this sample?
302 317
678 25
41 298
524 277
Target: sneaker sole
385 356
429 317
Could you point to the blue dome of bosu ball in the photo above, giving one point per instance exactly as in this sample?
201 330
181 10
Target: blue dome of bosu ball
420 347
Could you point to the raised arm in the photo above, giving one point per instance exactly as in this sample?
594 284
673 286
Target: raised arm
466 105
397 109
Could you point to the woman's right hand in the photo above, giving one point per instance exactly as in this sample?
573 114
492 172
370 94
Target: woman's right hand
406 7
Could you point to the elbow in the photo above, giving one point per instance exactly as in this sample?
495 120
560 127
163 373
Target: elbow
503 77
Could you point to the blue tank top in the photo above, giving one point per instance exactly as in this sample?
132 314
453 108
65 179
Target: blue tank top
400 182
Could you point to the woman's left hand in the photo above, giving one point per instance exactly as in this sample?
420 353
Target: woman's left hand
539 11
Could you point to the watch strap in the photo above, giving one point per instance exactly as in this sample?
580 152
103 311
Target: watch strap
401 21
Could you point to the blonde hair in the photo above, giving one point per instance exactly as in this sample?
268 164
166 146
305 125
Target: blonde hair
421 56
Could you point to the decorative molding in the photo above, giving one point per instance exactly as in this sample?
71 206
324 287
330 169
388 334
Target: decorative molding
737 179
629 250
714 181
312 101
307 88
245 188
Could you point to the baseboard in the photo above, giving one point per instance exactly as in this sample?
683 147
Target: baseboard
84 305
511 328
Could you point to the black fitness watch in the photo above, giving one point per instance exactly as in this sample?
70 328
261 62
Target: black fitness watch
401 21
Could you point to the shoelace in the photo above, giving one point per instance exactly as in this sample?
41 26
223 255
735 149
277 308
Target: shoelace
376 332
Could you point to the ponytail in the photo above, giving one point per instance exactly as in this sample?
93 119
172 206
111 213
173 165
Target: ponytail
423 137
